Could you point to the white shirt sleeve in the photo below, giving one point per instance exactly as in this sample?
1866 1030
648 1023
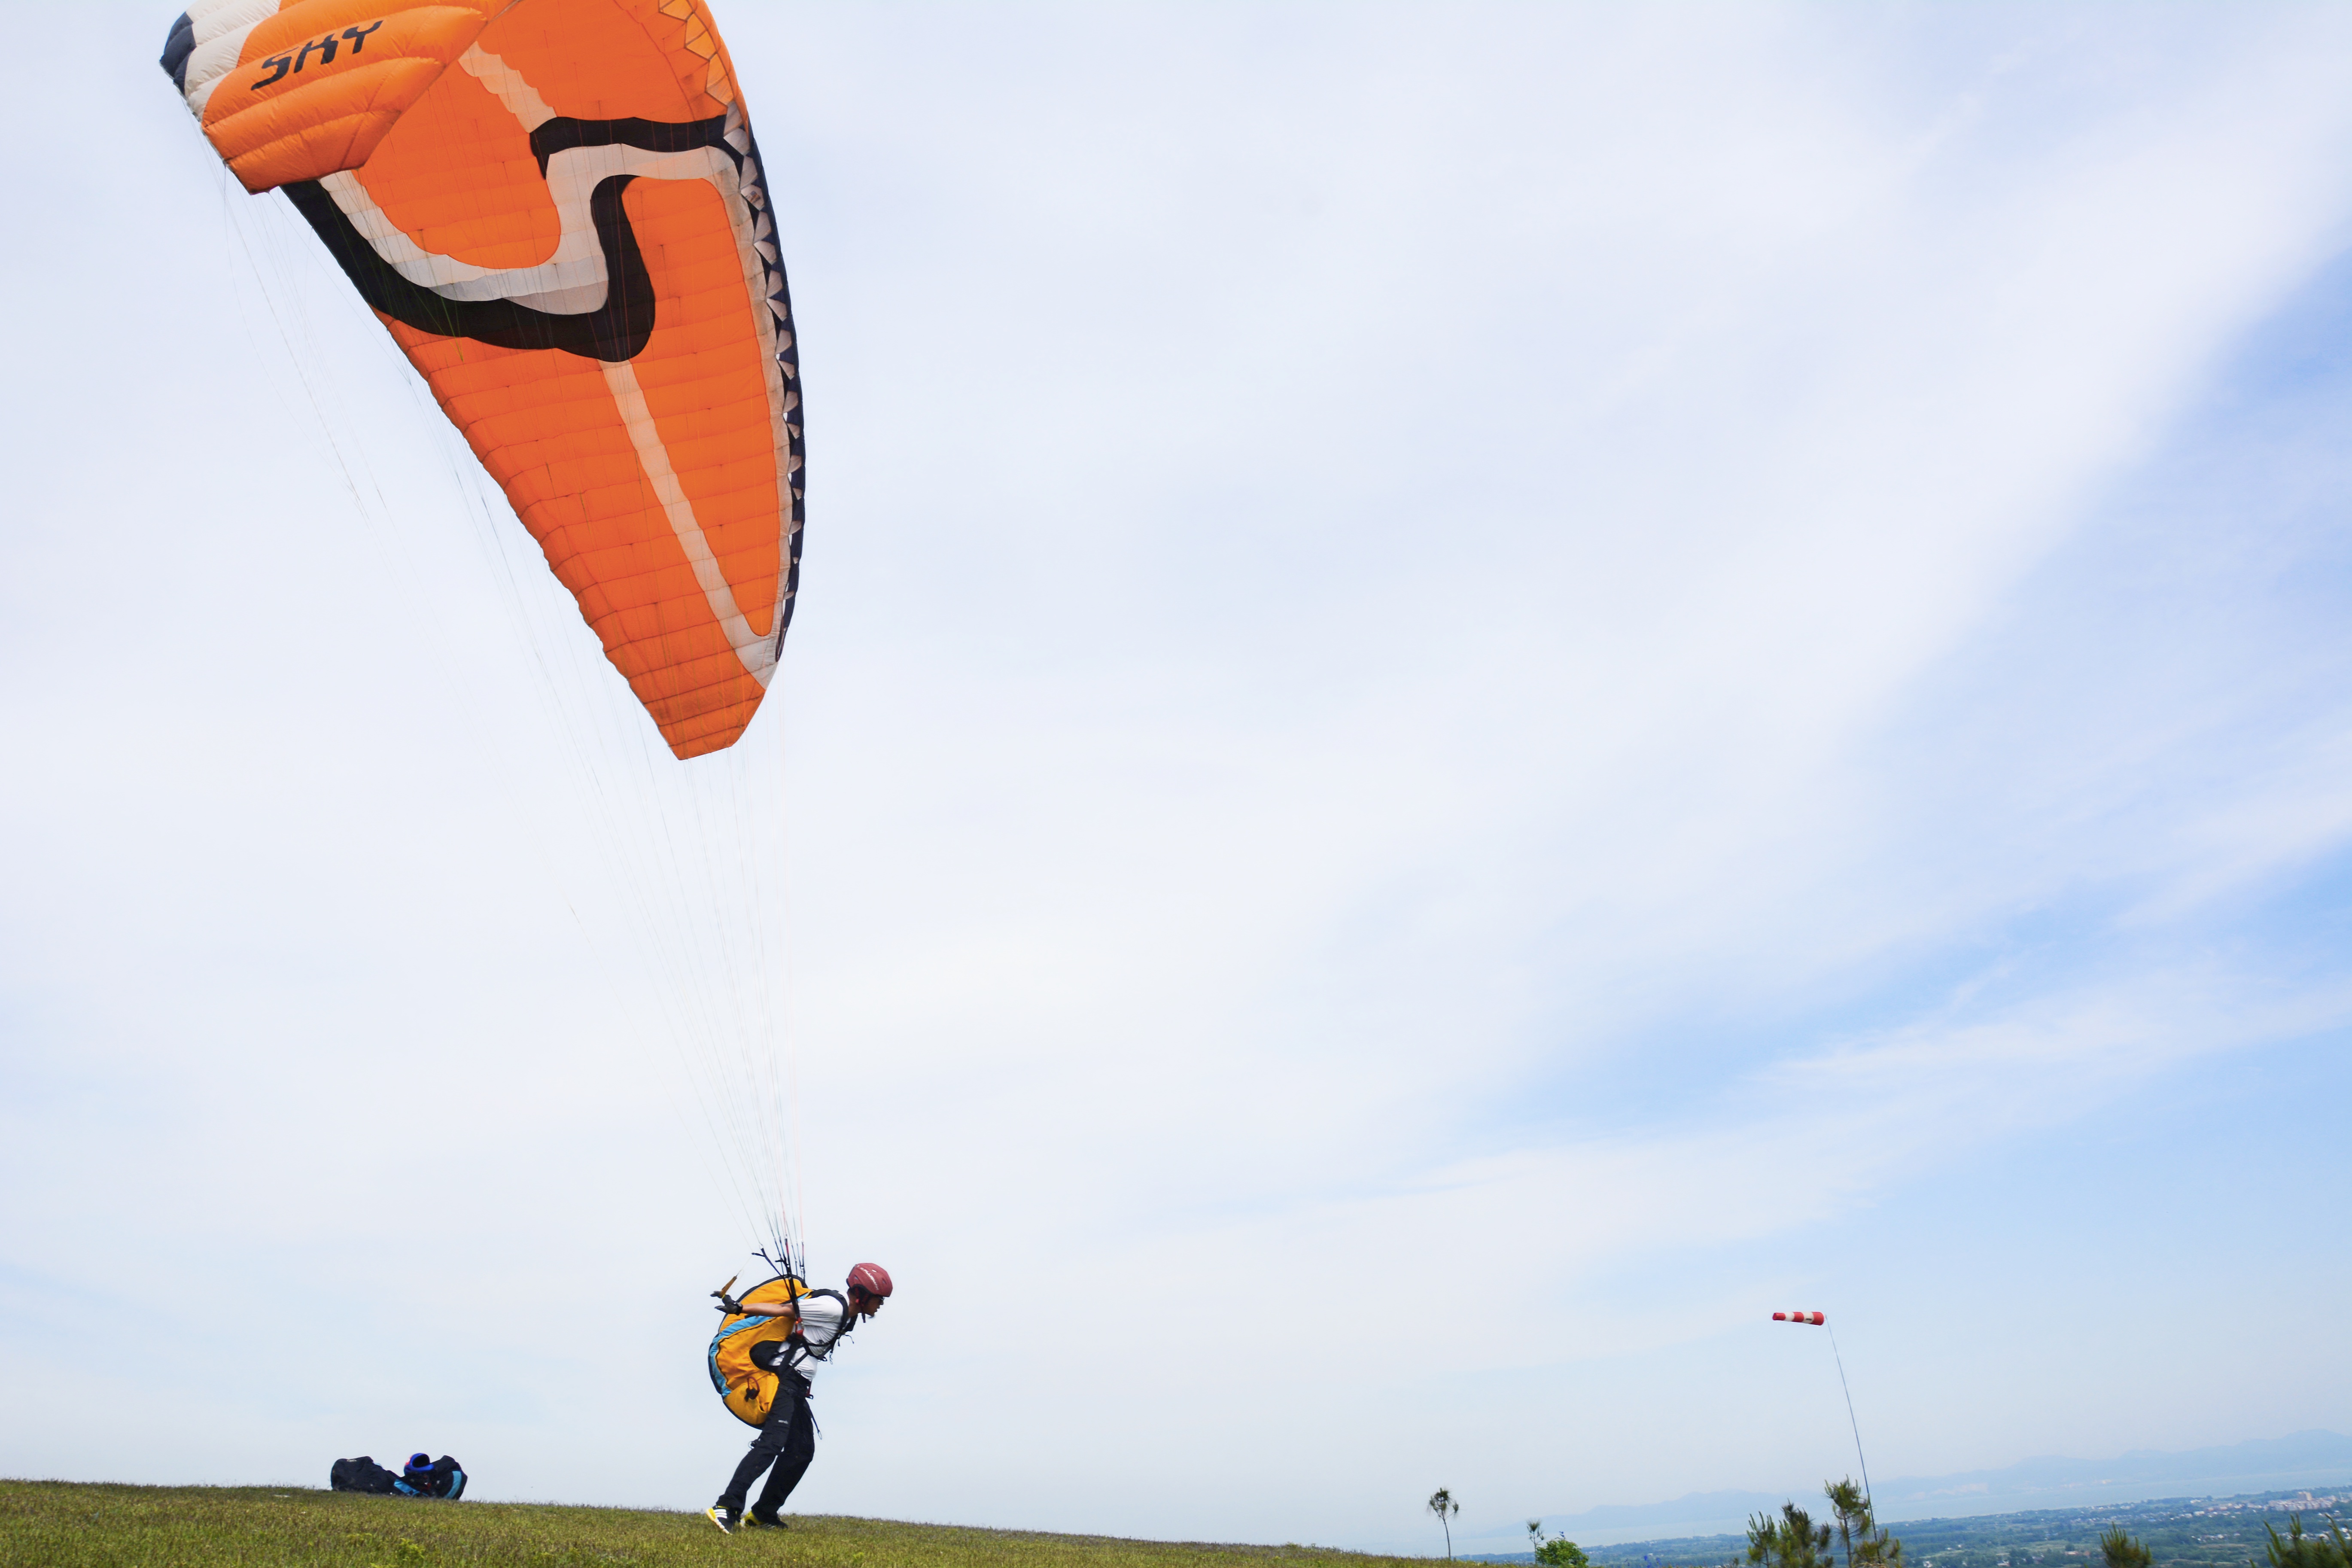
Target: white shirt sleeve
821 1321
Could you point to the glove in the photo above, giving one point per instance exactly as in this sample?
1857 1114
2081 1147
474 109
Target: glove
731 1305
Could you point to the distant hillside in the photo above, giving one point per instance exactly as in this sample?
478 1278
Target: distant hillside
2305 1460
2202 1533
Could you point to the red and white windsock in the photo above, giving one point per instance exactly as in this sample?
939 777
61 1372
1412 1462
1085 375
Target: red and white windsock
1816 1318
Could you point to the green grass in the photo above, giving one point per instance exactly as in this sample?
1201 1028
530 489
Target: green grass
68 1524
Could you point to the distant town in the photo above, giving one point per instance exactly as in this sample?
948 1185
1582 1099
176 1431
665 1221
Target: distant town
2182 1532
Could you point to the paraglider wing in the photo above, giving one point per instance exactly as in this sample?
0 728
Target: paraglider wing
557 209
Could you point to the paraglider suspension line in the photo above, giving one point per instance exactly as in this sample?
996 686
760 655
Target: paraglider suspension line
782 1263
1849 1417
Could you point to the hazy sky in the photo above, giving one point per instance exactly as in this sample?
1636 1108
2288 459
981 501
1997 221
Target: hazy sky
1479 692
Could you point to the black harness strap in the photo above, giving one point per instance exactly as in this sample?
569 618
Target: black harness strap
804 1351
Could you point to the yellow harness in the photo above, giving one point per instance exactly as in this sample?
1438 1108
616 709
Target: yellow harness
749 1389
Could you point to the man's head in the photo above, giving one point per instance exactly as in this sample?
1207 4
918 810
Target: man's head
869 1287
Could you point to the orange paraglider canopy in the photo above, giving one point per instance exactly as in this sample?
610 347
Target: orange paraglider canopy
558 210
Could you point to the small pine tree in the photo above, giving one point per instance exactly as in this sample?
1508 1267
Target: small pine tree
2121 1551
1793 1541
1559 1551
2296 1550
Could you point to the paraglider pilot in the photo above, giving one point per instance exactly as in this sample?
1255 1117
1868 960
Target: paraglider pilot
787 1439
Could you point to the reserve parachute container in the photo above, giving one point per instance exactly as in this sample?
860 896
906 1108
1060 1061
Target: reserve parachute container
558 210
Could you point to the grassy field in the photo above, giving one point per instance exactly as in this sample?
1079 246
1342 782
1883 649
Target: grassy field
65 1525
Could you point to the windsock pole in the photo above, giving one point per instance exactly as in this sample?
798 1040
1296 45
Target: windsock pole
1820 1319
1854 1424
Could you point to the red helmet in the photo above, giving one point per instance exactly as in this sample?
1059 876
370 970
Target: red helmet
872 1279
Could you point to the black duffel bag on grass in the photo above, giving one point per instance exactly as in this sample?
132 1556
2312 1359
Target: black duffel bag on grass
362 1475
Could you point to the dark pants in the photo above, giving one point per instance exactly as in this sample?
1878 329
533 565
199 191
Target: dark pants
787 1440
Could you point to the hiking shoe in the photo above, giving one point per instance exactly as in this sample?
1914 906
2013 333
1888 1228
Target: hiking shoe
752 1520
720 1517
